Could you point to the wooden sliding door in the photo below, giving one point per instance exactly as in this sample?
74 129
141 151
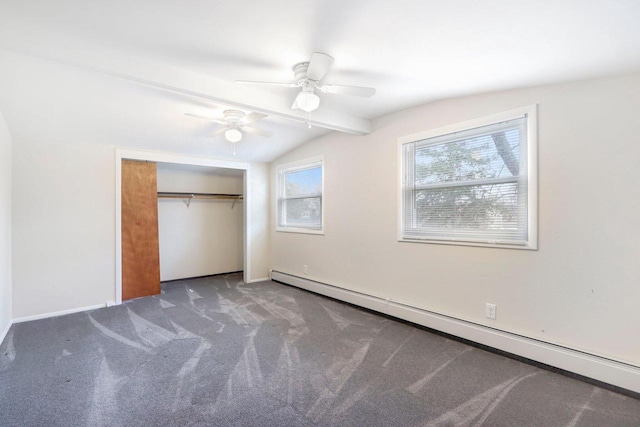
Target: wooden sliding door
140 250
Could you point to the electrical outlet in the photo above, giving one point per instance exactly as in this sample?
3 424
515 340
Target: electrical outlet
305 269
490 311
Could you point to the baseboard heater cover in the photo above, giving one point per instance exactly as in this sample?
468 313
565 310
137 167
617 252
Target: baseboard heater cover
592 366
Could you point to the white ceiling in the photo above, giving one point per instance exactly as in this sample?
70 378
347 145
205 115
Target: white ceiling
124 72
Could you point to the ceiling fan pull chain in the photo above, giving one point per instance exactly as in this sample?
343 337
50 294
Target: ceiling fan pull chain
309 119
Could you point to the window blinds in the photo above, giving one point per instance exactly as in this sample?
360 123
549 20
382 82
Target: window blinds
467 186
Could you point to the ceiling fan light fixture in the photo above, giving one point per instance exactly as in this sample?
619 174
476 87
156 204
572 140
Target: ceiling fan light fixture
233 135
307 101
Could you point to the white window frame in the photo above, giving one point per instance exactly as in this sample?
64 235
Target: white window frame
296 166
530 112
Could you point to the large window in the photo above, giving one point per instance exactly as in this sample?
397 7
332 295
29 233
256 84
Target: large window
300 196
472 184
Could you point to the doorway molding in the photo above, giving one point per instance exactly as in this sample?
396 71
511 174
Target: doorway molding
154 156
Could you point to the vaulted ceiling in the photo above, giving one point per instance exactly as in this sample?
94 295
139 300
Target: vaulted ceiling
124 72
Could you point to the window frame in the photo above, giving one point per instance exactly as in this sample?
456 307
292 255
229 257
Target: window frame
281 170
530 112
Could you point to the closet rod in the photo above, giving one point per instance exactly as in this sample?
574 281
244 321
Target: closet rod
187 197
167 195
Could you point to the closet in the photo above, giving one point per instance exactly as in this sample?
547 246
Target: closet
183 221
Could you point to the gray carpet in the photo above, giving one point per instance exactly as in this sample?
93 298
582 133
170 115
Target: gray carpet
218 352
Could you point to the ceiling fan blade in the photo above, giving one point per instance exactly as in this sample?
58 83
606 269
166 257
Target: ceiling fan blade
253 117
211 119
252 82
319 65
218 132
255 131
348 90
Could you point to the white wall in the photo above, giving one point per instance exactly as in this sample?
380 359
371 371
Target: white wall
64 226
5 228
258 198
206 237
580 289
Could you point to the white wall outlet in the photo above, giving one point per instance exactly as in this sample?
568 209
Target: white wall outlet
490 311
305 269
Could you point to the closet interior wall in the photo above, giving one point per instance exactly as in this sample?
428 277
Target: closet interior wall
204 236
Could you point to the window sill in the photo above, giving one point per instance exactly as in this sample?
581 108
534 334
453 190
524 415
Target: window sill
486 243
299 230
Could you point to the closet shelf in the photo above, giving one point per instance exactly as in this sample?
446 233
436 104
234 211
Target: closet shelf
187 197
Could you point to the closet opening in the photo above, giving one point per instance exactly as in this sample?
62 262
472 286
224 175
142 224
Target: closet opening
178 218
200 221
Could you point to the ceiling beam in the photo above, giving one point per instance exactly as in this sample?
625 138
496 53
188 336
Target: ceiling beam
176 80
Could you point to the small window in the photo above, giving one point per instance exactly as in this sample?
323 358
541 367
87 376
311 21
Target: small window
300 205
472 184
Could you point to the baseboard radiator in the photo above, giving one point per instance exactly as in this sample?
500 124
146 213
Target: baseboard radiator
608 371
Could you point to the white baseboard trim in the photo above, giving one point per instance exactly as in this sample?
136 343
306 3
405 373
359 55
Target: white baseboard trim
264 279
599 368
59 313
4 333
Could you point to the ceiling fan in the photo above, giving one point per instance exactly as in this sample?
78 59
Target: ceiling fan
308 76
235 124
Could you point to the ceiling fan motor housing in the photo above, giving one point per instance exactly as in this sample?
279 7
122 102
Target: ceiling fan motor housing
300 75
233 116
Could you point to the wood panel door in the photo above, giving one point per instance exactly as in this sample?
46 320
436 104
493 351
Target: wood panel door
140 249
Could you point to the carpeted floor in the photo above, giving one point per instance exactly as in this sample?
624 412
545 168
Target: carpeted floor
218 352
